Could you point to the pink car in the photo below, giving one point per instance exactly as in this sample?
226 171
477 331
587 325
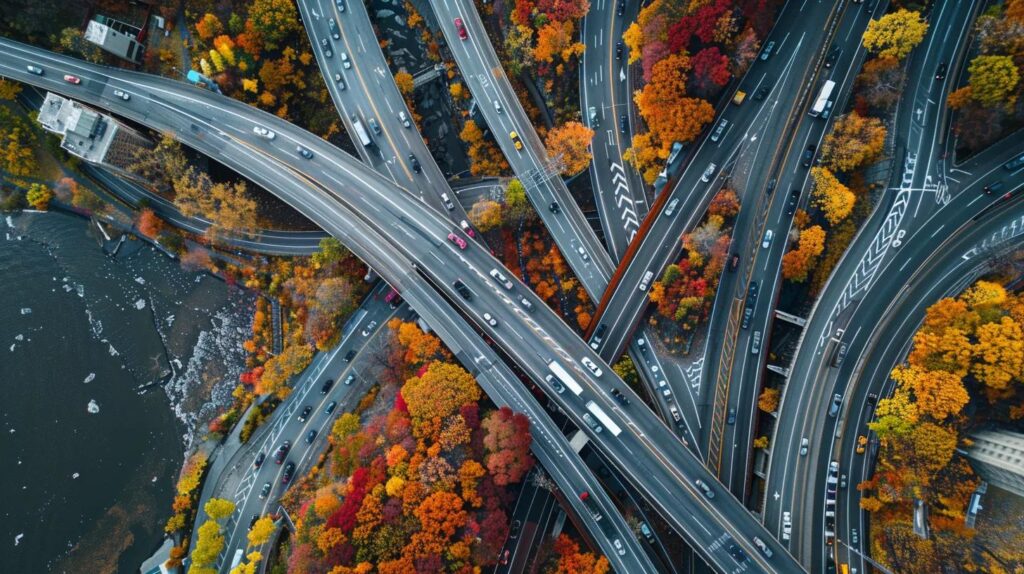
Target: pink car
457 240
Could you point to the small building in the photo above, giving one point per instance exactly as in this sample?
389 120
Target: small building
118 38
96 138
998 457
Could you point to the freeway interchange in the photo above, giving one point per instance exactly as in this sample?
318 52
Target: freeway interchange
396 219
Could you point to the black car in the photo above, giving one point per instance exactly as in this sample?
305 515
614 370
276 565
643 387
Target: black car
282 451
350 355
462 289
621 8
619 396
304 415
326 386
330 407
289 471
311 436
808 158
737 553
752 294
618 50
266 491
833 55
259 460
762 93
415 163
304 152
794 198
554 207
731 418
623 123
940 73
253 520
734 261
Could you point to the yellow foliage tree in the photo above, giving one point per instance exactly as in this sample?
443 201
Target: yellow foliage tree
834 199
485 214
853 141
895 34
570 141
404 81
261 531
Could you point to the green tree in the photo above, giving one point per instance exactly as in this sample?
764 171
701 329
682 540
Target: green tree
516 204
993 80
275 20
895 34
73 41
330 251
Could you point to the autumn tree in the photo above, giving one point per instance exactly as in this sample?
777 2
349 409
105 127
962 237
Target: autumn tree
149 224
507 442
17 143
404 81
798 262
769 400
853 141
261 531
571 142
39 196
420 347
334 298
486 158
572 561
833 198
219 508
938 394
557 39
517 206
275 20
895 34
710 71
276 372
999 356
881 81
72 41
209 543
993 80
439 392
485 214
9 89
208 26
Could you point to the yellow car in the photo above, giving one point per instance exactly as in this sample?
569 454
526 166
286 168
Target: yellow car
515 140
862 442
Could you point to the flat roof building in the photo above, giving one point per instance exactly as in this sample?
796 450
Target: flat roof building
115 37
998 457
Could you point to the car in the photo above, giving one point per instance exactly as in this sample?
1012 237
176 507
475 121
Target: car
340 4
557 386
122 94
833 55
748 314
842 480
416 167
719 130
304 152
737 553
447 201
266 490
731 417
326 46
764 548
345 62
457 240
767 241
513 529
282 451
326 386
369 328
304 415
592 366
827 110
592 114
940 73
642 344
646 532
497 107
620 9
677 417
461 29
259 460
504 557
404 118
830 537
72 79
762 93
808 157
490 320
311 436
595 341
862 443
463 291
787 525
755 343
263 132
374 125
35 70
618 50
349 356
767 52
619 547
708 172
872 398
833 408
467 228
833 474
752 293
837 359
739 97
794 199
583 253
253 520
289 471
334 28
670 209
734 261
992 187
620 396
803 446
1014 164
645 281
351 378
330 407
339 81
500 278
554 208
708 492
518 143
770 187
623 123
526 304
593 424
854 536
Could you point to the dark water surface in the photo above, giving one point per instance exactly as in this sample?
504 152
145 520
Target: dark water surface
82 331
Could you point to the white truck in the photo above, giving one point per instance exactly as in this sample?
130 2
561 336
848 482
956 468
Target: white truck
364 137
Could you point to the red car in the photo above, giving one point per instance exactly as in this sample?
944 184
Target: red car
457 240
461 28
467 228
72 79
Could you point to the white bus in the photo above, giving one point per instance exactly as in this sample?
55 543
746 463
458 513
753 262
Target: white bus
605 419
364 137
823 97
565 378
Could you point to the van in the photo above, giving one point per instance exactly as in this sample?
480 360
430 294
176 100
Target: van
598 336
719 130
755 343
237 559
646 280
710 171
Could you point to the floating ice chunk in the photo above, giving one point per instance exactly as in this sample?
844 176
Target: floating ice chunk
154 479
76 475
140 304
140 280
113 351
13 345
26 310
17 539
93 407
10 222
90 378
19 337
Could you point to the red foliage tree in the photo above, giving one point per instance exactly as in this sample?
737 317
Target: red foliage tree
710 71
507 441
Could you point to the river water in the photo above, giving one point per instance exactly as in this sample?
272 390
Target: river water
107 365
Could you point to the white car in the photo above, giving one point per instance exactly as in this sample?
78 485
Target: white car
263 132
583 253
619 547
593 367
767 242
345 61
787 525
490 320
497 106
404 118
122 94
710 171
